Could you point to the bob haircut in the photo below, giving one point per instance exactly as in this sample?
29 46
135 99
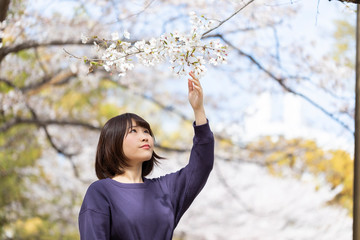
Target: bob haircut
110 158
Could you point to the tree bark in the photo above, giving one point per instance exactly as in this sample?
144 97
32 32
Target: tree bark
4 6
349 1
356 185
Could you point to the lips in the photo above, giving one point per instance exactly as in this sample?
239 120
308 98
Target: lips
146 146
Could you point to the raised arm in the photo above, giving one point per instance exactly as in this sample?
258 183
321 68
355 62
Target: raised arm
185 184
196 99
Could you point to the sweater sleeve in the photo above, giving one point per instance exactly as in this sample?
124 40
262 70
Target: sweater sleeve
187 183
94 216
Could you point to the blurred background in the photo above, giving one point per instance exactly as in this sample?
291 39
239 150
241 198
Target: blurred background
281 109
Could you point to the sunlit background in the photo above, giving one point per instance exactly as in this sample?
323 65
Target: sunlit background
281 109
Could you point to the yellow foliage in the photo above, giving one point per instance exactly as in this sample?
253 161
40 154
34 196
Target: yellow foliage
176 137
31 226
54 80
109 110
225 144
304 156
344 44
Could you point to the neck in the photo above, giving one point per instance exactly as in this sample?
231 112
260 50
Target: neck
131 175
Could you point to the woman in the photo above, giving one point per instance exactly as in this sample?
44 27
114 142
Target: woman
123 204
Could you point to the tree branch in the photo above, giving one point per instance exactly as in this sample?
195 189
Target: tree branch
8 82
158 103
133 14
4 6
237 197
47 80
53 144
281 82
33 44
38 122
34 88
227 19
169 149
48 136
349 1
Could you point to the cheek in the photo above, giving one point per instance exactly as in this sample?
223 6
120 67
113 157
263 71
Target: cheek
127 145
125 149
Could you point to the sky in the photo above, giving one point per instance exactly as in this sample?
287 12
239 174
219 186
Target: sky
297 118
315 21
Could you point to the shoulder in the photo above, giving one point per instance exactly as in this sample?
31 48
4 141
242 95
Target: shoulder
96 197
98 185
97 189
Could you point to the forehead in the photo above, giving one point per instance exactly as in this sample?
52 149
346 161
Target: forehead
138 123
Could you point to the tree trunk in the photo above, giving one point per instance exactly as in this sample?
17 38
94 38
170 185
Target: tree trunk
350 1
356 198
4 6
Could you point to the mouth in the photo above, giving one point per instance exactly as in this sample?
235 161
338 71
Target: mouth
146 146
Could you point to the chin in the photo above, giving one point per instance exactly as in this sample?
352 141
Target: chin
146 159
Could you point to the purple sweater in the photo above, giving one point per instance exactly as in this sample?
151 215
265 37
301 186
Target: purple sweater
149 210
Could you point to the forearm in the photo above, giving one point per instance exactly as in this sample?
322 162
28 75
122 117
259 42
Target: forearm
196 99
200 116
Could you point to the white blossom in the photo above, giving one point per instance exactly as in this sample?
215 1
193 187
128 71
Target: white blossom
84 38
185 52
115 36
126 34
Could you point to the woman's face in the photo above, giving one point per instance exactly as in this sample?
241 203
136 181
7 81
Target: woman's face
138 145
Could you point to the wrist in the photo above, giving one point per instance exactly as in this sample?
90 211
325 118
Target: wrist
200 116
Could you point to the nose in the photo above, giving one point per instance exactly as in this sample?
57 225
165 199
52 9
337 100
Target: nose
144 137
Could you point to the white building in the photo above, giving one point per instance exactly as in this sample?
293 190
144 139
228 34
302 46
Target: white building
290 116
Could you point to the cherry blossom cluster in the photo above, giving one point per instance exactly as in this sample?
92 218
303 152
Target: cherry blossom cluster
185 52
12 102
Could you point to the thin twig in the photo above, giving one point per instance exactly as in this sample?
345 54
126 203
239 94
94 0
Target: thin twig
222 22
71 55
281 82
134 14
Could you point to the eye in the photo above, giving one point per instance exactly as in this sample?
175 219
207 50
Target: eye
132 130
147 131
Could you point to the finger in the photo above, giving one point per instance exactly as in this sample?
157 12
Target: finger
192 74
190 85
198 89
196 82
